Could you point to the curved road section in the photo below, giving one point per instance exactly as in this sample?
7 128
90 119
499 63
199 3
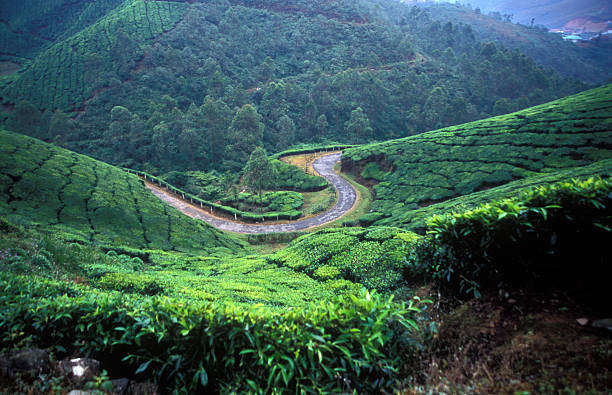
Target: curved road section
347 196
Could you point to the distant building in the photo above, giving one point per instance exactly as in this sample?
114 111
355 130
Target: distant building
573 38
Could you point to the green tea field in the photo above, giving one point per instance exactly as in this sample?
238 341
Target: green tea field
90 201
417 175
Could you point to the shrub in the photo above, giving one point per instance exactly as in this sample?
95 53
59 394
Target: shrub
374 257
343 345
549 236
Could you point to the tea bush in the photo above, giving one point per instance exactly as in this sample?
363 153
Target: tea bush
291 178
555 235
278 201
93 202
374 257
343 345
225 209
67 61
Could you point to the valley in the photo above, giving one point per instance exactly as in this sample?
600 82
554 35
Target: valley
271 197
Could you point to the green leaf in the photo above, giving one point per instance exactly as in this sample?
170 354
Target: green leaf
142 367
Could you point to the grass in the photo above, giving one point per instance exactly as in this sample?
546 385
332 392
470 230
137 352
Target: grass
91 202
434 167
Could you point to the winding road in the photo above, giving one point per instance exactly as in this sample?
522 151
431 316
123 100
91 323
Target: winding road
347 196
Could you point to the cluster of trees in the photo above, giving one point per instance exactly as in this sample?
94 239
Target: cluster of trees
233 76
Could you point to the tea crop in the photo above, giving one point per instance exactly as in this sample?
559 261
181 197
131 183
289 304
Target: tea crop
93 202
437 166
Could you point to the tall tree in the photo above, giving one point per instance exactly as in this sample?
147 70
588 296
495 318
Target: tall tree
217 117
25 119
259 172
358 127
245 133
285 128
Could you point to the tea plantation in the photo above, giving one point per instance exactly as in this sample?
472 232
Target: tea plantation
92 264
416 172
90 201
109 43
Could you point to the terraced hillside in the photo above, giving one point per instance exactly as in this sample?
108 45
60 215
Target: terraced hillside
421 171
59 75
91 201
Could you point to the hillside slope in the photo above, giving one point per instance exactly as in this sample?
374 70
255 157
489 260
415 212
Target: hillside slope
437 166
176 75
591 62
553 14
90 201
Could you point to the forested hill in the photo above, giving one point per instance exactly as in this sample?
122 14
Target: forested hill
591 61
177 85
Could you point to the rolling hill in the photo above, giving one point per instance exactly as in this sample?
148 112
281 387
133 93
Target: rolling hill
92 202
140 83
427 172
591 61
553 14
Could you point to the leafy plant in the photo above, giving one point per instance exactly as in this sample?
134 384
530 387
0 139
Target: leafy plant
534 240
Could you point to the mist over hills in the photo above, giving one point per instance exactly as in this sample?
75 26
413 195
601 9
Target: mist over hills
550 13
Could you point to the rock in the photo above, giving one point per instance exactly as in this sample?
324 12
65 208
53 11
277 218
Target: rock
143 389
32 361
582 321
79 392
80 370
606 323
120 386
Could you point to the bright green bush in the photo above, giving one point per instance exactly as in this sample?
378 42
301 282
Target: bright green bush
278 201
374 257
355 345
290 214
555 235
292 178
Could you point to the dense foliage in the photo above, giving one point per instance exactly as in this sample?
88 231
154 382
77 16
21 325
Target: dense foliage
589 62
92 202
197 85
436 166
416 220
374 257
198 347
551 235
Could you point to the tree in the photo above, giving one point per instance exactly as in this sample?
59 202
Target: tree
358 126
217 117
259 172
321 126
24 119
118 132
285 128
62 127
245 132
